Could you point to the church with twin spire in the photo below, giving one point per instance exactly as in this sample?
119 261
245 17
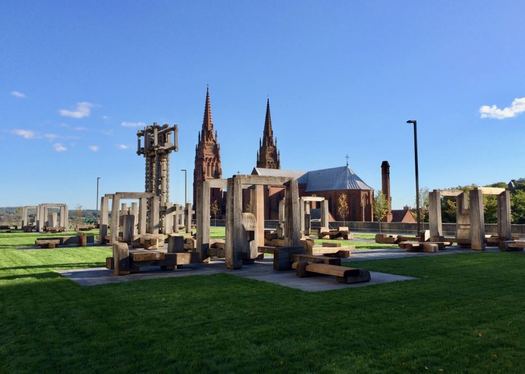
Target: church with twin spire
329 183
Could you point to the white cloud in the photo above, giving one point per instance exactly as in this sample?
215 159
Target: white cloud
492 111
18 94
26 134
94 148
58 147
122 146
82 110
132 124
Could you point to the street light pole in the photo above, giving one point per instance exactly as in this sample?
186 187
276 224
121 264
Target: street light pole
418 213
185 186
98 180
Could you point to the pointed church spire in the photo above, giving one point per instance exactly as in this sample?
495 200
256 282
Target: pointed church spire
268 131
207 122
268 157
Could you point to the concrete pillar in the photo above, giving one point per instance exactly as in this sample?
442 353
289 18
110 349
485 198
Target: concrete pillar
104 218
155 215
134 211
257 204
434 212
203 219
229 246
240 241
46 216
39 219
127 228
24 216
233 251
189 215
324 214
462 219
293 226
477 220
504 218
302 214
167 222
115 218
53 219
143 215
61 219
66 217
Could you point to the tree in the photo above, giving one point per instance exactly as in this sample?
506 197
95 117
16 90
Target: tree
518 206
342 207
214 208
380 207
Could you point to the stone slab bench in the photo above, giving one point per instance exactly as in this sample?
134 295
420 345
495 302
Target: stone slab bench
48 243
514 245
342 274
126 260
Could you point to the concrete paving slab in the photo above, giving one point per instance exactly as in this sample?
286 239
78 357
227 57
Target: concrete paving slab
261 271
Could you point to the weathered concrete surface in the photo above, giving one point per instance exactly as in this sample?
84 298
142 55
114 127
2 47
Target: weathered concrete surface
261 271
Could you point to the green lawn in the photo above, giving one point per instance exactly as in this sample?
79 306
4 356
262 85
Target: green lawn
360 241
465 313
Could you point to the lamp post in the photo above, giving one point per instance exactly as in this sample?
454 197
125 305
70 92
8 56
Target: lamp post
98 180
418 213
185 186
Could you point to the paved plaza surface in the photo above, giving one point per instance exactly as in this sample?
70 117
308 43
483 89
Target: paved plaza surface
263 271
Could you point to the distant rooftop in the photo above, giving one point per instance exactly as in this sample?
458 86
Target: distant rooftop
339 178
277 172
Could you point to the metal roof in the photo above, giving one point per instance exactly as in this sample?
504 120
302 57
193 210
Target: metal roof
340 178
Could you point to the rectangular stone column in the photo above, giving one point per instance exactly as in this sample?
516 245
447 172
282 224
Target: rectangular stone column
307 218
53 219
504 218
61 222
134 211
115 218
240 242
293 226
257 204
66 217
229 254
302 214
233 251
104 218
477 220
462 219
325 215
155 214
203 219
167 222
38 219
189 216
434 212
24 216
128 226
143 215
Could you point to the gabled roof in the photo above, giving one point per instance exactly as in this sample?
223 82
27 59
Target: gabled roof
277 172
340 178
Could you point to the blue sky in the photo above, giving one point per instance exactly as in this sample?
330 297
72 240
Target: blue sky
342 77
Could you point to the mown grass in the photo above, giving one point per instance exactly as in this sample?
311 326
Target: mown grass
464 313
360 241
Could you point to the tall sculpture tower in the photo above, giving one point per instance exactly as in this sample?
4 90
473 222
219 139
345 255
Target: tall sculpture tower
156 143
207 155
268 156
385 188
